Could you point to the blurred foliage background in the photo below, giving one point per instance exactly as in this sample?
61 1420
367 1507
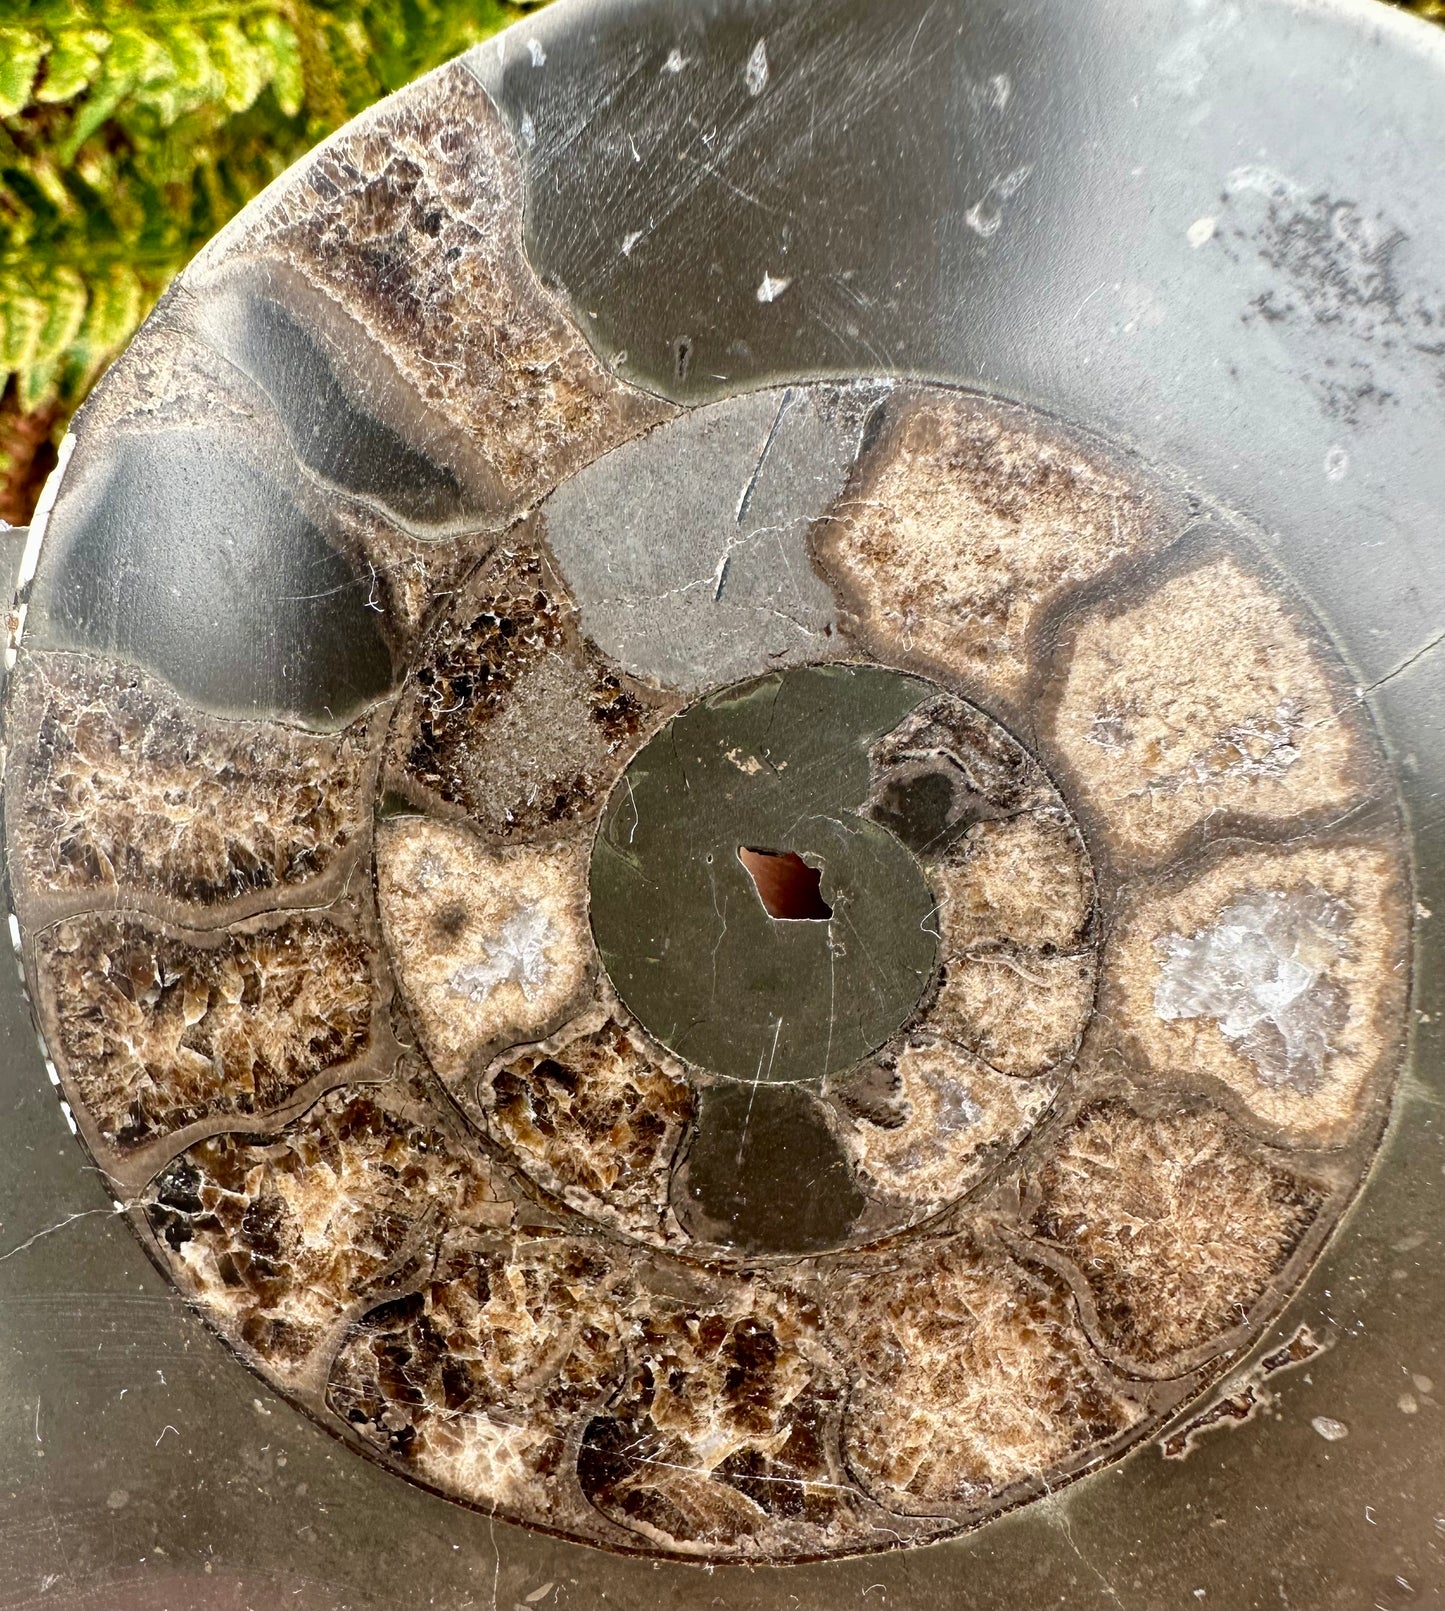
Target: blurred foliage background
131 130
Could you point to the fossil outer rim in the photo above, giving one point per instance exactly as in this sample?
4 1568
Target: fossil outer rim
969 541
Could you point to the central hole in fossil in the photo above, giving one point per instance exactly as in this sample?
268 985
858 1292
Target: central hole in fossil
786 884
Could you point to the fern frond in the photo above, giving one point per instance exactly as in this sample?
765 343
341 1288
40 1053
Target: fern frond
131 130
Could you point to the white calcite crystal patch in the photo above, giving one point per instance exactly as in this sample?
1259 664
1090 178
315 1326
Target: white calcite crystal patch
517 954
492 946
1262 972
1277 973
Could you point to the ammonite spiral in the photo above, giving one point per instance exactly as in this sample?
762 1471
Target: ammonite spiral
754 982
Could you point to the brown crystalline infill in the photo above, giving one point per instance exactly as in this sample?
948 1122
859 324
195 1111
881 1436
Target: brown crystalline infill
1176 1228
986 769
1208 698
491 947
1021 1011
934 1120
545 1379
1024 880
280 1236
475 1381
411 221
153 1031
1280 972
971 1379
594 1117
963 523
723 1440
509 716
128 792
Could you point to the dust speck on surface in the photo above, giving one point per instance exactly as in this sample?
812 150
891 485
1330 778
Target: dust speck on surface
755 74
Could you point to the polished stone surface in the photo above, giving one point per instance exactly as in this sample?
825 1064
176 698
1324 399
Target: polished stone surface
374 714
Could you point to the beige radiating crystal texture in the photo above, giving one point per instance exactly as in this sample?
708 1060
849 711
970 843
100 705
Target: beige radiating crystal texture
963 523
1207 699
1176 1228
1023 1014
1280 972
492 947
410 220
932 1124
129 792
972 1378
1023 880
1015 912
155 1029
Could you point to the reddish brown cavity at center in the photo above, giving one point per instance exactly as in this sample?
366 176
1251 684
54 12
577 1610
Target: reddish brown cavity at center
786 884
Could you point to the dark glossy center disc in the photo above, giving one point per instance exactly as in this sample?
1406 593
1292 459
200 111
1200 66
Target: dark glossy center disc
725 814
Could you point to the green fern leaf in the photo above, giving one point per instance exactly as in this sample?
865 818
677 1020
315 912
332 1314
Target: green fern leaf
198 83
20 54
67 300
241 66
37 385
156 78
284 49
23 320
73 64
115 310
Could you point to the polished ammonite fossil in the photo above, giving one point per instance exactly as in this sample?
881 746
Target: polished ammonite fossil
757 981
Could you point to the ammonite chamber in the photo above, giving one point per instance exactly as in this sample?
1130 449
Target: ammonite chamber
754 969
